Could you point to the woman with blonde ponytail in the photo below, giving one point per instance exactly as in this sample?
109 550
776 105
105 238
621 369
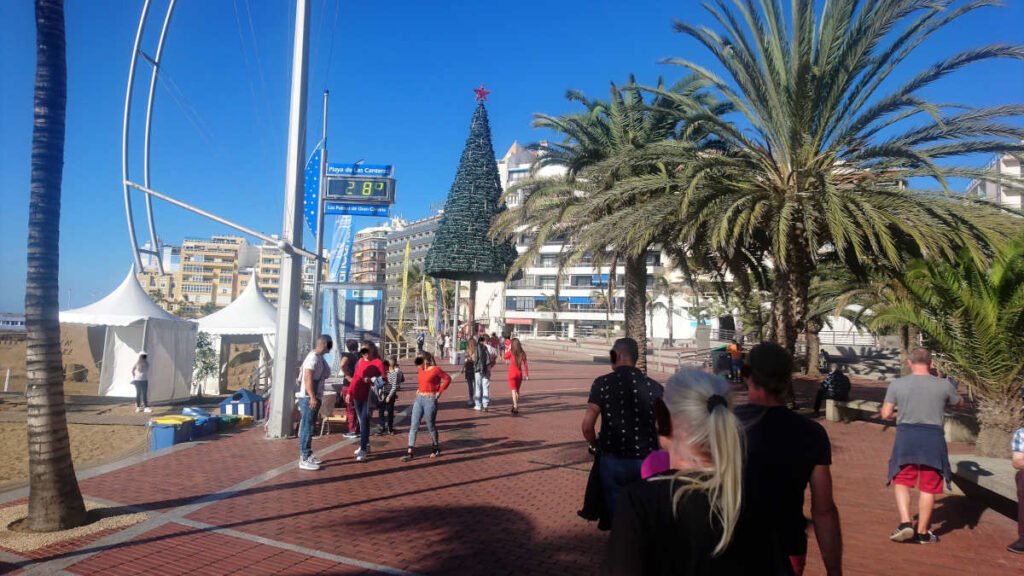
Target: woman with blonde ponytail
690 520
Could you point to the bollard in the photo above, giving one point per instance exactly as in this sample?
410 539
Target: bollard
7 380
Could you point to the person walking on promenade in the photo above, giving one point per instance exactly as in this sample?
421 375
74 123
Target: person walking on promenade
140 379
517 369
483 361
624 399
1018 463
835 387
690 519
368 368
785 453
469 372
433 381
389 394
919 454
314 373
420 339
349 359
735 350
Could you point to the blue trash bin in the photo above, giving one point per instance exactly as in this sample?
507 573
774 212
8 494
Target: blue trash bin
203 426
167 431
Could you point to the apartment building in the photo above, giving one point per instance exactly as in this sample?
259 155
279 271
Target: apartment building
419 234
369 256
528 304
268 273
1008 195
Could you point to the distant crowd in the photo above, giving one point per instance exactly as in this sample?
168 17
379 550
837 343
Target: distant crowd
371 382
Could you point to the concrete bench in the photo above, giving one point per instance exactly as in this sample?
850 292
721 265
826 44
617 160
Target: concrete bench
995 475
958 427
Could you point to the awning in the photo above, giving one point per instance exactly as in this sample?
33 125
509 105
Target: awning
599 279
580 300
519 321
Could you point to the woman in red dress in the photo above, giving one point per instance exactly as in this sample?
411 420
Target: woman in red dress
517 368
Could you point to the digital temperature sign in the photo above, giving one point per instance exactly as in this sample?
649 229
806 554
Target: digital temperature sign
360 190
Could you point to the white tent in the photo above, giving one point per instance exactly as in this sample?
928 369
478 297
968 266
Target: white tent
249 318
134 323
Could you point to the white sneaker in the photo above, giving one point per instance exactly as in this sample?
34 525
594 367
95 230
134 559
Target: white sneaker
357 450
137 409
477 408
351 435
360 455
308 465
147 410
316 460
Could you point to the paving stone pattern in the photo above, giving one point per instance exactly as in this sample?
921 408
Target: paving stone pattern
501 499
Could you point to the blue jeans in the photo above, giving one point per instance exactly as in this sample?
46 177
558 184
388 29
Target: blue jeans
425 408
363 415
616 473
306 425
483 387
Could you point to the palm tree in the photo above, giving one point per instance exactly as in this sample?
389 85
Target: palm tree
601 299
570 206
55 502
827 161
973 315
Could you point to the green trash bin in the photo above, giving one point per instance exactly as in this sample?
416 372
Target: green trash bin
227 421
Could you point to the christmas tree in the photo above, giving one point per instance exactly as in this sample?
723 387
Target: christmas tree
462 249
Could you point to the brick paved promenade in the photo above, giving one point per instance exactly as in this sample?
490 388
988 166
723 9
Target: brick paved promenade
502 499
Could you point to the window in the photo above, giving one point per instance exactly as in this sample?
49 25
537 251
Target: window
547 281
547 260
581 281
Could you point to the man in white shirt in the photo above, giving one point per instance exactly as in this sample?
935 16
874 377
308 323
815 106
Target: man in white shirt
310 390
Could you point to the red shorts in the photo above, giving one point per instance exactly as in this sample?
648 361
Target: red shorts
925 478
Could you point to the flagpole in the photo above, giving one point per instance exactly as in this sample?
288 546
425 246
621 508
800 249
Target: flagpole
317 326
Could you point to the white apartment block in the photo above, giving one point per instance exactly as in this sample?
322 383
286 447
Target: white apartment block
527 305
1010 196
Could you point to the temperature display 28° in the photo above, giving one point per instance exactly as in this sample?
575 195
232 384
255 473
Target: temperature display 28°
356 190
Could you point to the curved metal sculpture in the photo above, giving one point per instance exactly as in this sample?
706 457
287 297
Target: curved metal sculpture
128 183
154 61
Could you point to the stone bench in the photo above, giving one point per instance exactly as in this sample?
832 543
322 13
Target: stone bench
958 427
995 475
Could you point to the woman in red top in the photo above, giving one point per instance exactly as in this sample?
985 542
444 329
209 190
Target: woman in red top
432 383
516 370
369 367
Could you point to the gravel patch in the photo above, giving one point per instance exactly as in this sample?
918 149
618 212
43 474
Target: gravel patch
103 518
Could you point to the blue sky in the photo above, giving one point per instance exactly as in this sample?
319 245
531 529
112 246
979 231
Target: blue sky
400 75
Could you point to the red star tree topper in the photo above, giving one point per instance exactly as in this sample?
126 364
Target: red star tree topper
481 93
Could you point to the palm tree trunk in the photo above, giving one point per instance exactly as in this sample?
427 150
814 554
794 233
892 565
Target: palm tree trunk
998 419
612 273
636 313
671 320
782 309
55 501
471 309
908 341
813 348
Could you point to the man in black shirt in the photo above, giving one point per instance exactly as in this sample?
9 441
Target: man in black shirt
785 452
624 399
